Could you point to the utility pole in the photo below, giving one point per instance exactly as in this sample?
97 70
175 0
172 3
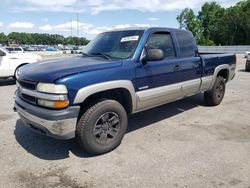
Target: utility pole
77 27
77 20
71 28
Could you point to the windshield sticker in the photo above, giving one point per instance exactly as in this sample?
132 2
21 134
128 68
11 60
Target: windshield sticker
130 38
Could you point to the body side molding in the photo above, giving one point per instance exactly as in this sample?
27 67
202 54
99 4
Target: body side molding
162 95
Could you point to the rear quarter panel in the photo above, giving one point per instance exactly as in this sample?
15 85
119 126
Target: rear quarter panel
211 61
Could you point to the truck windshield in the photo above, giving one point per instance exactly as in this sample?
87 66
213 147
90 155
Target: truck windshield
117 45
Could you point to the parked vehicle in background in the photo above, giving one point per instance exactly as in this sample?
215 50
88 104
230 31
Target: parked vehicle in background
30 49
247 54
17 49
248 63
121 72
80 49
10 62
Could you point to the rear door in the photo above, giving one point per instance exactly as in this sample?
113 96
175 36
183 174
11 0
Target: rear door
158 81
190 62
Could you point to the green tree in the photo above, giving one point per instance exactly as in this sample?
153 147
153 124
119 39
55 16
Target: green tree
189 21
41 38
3 38
217 25
210 16
234 26
76 41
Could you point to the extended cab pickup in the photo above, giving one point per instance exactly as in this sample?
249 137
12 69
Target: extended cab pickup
121 72
10 61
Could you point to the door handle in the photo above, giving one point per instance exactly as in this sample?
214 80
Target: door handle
177 67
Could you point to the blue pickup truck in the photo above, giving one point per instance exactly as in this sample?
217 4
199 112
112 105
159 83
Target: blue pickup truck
121 72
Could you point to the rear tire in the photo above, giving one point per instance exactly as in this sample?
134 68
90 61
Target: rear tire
102 127
216 94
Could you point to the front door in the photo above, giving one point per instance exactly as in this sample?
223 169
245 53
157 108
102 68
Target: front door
158 81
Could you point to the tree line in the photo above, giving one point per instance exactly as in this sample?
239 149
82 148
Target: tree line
215 25
40 38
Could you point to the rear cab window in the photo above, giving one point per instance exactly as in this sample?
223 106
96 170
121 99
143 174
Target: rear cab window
186 43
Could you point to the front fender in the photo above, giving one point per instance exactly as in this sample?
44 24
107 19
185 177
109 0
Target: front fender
85 92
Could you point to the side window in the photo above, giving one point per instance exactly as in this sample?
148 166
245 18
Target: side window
162 41
17 49
186 44
10 49
2 53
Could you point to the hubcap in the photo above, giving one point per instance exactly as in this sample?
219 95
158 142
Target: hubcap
106 128
220 90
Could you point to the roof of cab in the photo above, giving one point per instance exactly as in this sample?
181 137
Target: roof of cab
144 29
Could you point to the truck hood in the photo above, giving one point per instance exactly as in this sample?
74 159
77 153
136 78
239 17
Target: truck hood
49 71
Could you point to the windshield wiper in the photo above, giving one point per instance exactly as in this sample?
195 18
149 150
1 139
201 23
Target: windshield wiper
106 56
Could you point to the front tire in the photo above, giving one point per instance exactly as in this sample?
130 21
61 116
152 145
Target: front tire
102 127
216 94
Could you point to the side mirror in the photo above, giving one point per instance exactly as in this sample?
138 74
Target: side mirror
152 55
196 53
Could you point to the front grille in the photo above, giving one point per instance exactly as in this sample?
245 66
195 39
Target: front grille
27 85
28 98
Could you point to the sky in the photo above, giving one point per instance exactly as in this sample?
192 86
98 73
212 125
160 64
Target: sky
95 16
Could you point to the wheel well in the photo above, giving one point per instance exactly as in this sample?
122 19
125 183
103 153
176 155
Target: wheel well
17 68
120 95
21 65
224 73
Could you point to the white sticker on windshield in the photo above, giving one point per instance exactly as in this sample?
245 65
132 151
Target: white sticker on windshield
130 38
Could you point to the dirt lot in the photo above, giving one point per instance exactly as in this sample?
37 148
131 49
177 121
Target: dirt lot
53 55
182 144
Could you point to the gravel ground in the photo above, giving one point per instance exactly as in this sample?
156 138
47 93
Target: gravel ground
182 144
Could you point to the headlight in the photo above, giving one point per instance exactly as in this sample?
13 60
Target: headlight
53 104
52 88
17 85
17 74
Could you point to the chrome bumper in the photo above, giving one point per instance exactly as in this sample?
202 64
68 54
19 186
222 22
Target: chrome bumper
56 124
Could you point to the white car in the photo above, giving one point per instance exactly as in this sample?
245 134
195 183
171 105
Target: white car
17 49
10 62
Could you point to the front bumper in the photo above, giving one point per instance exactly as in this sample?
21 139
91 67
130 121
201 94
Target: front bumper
59 124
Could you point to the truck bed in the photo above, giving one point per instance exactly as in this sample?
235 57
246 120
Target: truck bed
212 60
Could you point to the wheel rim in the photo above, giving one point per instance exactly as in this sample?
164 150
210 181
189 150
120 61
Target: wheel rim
220 90
107 128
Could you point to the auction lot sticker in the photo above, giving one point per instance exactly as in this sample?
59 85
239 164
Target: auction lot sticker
130 38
